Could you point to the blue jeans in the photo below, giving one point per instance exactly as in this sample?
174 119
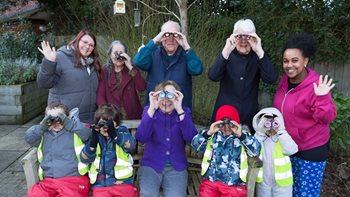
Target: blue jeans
174 183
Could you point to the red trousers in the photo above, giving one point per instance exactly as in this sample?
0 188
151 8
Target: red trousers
219 189
77 186
122 190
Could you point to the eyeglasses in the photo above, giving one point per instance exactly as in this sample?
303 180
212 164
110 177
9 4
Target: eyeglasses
166 94
168 34
243 37
88 44
226 121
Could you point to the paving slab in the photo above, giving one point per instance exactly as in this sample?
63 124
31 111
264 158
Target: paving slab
6 129
7 158
14 141
12 184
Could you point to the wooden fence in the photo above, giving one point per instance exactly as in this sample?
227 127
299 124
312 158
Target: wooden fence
339 72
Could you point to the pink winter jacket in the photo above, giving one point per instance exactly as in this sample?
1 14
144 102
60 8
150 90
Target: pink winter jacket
307 116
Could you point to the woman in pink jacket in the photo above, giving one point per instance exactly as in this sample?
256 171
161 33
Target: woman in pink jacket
120 81
305 101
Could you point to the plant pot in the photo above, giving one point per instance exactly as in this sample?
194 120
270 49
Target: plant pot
21 103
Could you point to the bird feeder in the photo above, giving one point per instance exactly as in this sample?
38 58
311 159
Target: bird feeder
119 7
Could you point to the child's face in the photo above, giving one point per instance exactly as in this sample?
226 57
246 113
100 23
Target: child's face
56 126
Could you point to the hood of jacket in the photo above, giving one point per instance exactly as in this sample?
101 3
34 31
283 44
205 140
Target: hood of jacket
271 111
67 50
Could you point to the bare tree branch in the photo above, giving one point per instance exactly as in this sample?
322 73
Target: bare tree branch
192 4
160 12
173 13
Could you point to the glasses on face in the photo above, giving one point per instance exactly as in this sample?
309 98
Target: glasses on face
226 121
166 94
88 44
243 37
168 34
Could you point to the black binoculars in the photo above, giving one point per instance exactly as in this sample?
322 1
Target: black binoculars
100 125
53 120
118 56
226 121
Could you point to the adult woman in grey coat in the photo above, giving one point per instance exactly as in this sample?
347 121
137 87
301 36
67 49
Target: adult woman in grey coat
71 74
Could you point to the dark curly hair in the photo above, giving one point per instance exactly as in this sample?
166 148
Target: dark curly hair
305 42
108 112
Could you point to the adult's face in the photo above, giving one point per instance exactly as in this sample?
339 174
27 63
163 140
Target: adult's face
169 43
294 65
118 48
86 45
166 104
243 47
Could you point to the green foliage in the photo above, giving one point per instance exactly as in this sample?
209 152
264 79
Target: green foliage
22 43
340 127
17 71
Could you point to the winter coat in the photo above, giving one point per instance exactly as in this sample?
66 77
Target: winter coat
239 78
60 158
165 137
108 158
69 85
224 165
182 66
289 147
126 97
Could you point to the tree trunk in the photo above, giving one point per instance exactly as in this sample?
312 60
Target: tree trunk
183 16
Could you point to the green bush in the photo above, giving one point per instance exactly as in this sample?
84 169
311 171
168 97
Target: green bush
340 127
21 43
17 71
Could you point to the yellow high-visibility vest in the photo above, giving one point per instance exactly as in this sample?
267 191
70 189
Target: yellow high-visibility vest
282 166
122 169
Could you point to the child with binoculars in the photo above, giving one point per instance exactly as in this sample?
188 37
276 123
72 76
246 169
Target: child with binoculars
109 153
59 138
226 146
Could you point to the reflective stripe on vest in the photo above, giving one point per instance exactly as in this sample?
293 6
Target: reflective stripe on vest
209 153
122 169
78 146
207 156
282 166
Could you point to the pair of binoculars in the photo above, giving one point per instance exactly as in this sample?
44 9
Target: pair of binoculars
100 125
166 94
168 34
243 37
53 120
118 56
224 122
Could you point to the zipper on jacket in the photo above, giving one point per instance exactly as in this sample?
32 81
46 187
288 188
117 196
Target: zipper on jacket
284 99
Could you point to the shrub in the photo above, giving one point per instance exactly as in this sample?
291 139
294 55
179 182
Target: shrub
340 127
22 42
17 71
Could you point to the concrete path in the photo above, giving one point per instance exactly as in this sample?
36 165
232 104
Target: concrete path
12 150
